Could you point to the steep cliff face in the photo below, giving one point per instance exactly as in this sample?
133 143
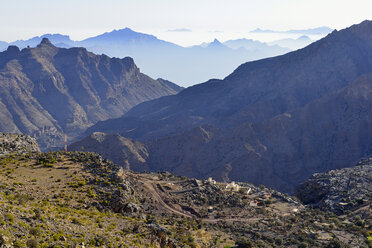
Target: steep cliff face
47 91
273 122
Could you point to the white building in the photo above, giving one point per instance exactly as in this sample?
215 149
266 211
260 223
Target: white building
233 186
210 180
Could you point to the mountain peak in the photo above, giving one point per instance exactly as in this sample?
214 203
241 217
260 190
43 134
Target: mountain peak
13 49
53 70
45 41
119 35
128 29
364 28
216 41
123 30
304 37
216 44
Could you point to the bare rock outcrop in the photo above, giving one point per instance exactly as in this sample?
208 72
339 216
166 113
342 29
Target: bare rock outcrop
17 143
339 190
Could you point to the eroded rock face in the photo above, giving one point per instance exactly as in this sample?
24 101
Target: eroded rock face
17 143
339 190
48 91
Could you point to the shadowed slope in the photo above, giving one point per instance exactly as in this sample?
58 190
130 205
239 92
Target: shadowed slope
47 91
274 121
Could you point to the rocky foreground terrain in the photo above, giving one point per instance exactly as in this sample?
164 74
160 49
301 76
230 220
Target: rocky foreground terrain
79 199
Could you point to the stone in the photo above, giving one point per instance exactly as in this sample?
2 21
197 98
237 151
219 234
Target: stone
338 190
17 143
4 242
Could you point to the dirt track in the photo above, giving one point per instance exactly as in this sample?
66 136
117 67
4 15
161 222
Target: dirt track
149 184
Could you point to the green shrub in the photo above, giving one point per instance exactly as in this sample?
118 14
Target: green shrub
278 241
47 159
336 244
18 244
57 236
9 218
35 231
243 243
32 243
76 221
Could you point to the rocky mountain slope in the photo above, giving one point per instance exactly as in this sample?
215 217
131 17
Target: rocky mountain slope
48 91
78 199
125 152
17 143
340 191
274 121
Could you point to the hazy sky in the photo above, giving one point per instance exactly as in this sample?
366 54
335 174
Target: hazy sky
224 19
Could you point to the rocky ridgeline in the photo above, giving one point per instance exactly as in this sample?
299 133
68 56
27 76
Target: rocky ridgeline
17 143
339 190
91 88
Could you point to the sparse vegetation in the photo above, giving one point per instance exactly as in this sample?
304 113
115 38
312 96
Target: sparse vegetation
83 192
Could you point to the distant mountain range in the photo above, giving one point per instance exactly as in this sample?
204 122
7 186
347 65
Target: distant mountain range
186 66
48 91
273 121
159 58
255 48
311 31
293 44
